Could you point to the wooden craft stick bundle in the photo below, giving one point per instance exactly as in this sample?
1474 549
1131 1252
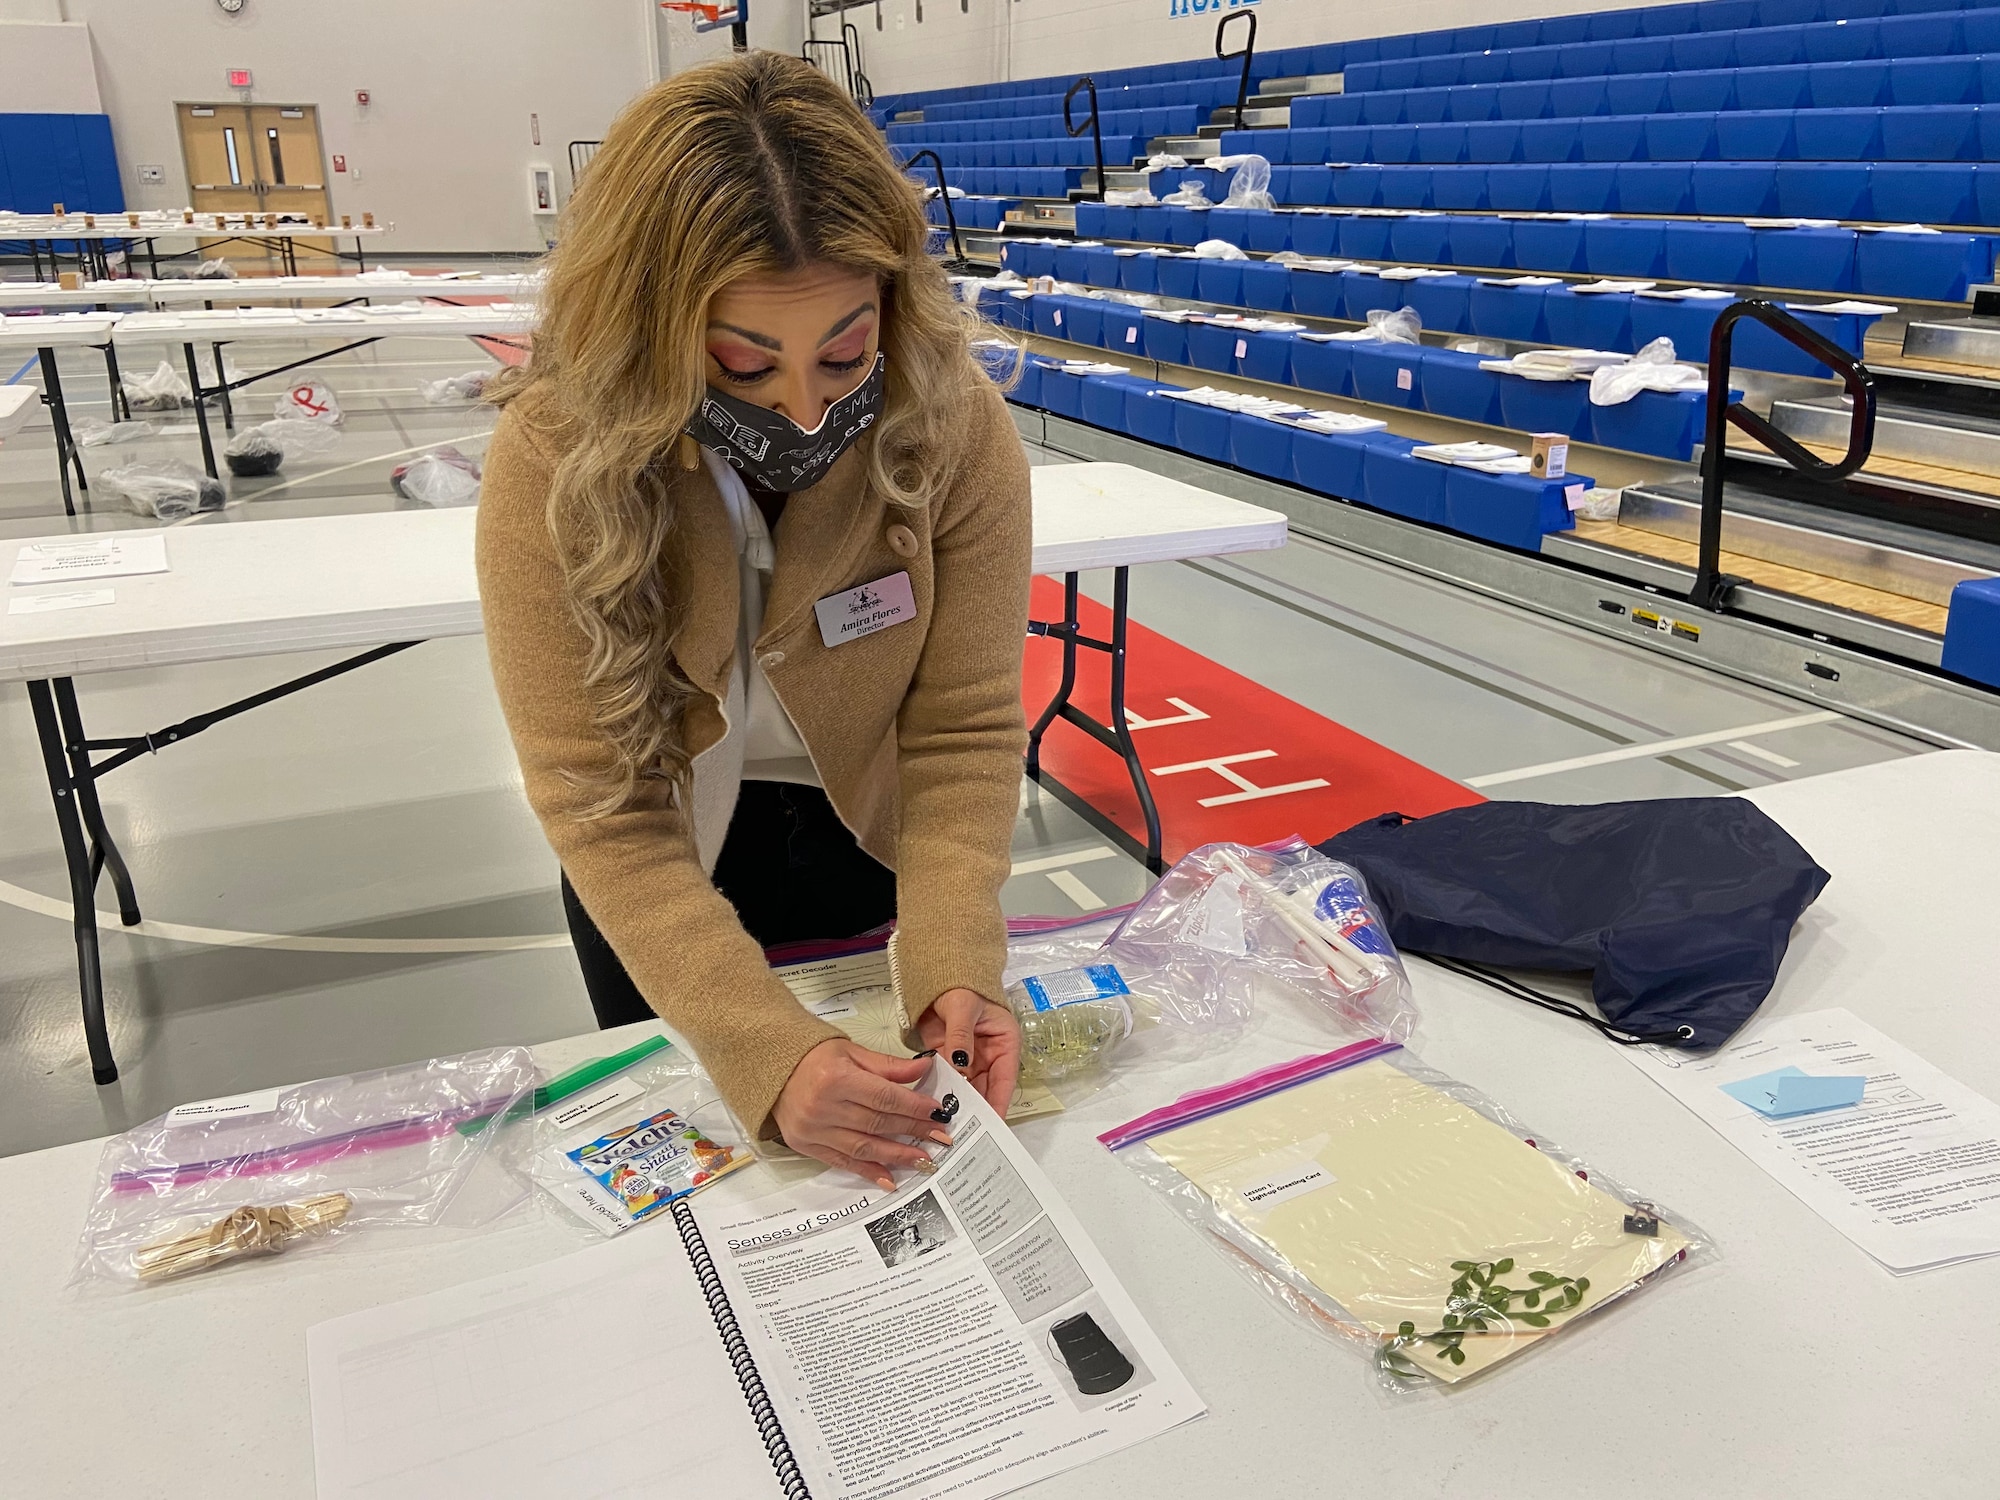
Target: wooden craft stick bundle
248 1231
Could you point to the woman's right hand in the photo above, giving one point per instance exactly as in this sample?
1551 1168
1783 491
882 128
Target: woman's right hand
852 1108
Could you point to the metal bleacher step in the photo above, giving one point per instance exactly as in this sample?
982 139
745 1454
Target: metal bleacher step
1966 442
1192 147
1307 83
1875 553
907 117
1118 179
1973 341
1266 117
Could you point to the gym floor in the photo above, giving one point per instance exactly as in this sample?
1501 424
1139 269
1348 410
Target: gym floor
349 877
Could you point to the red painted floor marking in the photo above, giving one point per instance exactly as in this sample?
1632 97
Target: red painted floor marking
1265 766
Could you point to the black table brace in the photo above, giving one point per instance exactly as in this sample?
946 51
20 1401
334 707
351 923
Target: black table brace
1115 736
223 387
88 849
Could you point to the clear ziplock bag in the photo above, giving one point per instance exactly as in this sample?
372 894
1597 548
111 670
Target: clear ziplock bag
1081 1008
1397 1209
297 1168
620 1139
1229 920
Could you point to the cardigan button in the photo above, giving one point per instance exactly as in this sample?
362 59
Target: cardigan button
902 541
770 659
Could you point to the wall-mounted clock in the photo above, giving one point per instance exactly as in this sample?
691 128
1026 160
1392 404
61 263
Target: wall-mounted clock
231 7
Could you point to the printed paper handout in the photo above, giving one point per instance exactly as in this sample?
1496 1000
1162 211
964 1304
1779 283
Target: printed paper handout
1910 1173
959 1335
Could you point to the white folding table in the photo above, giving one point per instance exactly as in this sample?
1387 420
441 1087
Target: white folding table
44 334
91 233
385 581
1792 1364
351 328
242 291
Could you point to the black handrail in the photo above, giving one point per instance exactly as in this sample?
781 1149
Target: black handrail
862 90
1712 586
958 261
846 57
580 153
1249 51
1096 133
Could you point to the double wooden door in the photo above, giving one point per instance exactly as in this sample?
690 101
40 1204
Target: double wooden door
255 159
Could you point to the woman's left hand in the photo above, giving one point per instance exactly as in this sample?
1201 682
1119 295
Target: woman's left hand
978 1037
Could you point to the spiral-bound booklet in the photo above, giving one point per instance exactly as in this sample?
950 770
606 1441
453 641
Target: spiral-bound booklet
776 1335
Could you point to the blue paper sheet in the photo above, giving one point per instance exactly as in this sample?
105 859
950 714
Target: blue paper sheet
1793 1091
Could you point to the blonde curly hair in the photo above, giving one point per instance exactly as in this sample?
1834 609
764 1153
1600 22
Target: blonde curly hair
753 166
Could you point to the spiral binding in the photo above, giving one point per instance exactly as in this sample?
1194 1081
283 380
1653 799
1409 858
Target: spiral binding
790 1481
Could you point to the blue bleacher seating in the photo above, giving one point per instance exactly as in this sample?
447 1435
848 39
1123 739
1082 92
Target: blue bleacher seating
1972 631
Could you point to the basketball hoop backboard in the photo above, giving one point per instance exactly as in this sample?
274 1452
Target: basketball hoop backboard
707 16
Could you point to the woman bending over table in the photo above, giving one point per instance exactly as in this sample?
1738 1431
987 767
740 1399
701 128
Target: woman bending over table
754 557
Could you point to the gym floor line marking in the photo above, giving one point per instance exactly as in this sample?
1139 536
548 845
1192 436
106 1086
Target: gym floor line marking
223 937
1647 752
34 902
1060 861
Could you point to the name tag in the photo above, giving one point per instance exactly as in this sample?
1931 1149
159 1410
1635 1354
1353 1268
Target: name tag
853 613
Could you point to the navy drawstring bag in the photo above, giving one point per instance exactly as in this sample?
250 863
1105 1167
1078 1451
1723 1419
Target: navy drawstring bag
1680 909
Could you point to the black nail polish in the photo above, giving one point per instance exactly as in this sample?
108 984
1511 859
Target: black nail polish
950 1105
961 1059
942 1116
927 1052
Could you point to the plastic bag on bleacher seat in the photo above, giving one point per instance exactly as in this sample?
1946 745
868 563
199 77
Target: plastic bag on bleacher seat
1653 368
310 401
1165 162
1598 505
1130 197
1191 195
1250 187
217 269
1218 250
1399 325
167 488
443 476
467 387
163 390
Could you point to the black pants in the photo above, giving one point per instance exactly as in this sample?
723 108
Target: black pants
789 867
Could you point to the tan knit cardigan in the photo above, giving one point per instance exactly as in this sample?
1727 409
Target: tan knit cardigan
916 730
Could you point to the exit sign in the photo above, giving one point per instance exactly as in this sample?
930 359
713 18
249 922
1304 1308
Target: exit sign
239 78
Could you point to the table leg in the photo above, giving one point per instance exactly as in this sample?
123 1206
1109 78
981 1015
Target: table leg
83 903
66 453
121 406
1060 701
1115 736
104 853
1120 728
222 386
152 257
200 411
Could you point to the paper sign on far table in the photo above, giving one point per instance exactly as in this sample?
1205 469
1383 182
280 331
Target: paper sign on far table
90 557
1911 1174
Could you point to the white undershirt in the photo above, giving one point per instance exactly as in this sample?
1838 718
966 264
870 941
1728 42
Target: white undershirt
772 749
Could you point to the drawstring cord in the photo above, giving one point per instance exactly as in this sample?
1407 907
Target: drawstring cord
1680 1036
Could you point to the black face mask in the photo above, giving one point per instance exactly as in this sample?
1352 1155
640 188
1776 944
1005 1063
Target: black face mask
772 450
